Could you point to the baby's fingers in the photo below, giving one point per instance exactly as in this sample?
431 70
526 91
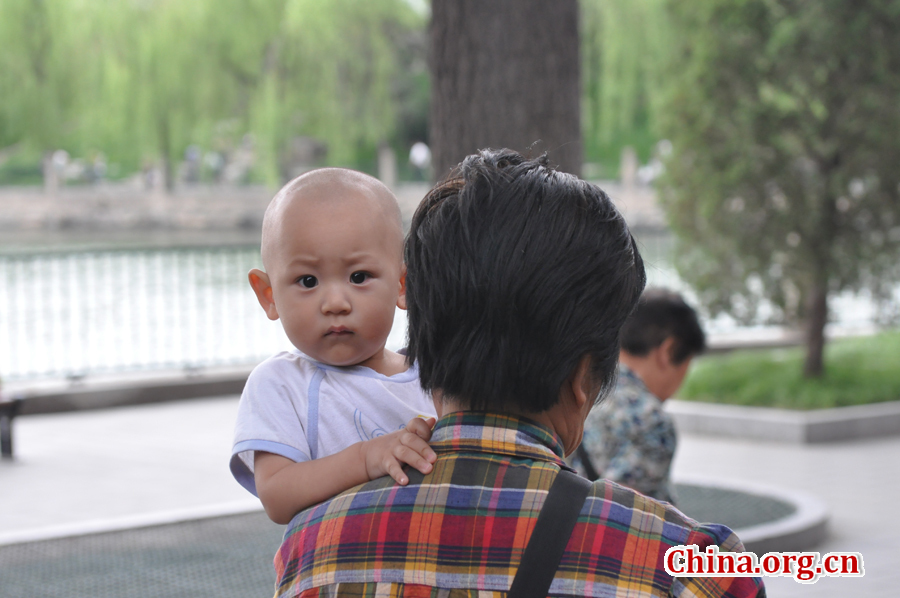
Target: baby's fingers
415 452
421 427
395 470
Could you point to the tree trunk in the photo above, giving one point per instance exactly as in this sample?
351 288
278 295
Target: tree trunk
165 150
505 73
817 317
48 168
168 172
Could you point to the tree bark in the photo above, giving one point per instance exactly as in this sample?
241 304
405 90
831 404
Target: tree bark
817 317
505 73
51 180
165 151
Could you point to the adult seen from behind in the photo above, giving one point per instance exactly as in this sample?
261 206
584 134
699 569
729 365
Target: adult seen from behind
631 439
519 279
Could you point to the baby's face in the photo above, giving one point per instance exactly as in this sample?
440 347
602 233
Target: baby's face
336 277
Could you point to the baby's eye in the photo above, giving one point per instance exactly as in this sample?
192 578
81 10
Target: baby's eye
359 277
308 282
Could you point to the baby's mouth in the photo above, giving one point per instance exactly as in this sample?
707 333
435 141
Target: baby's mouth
338 331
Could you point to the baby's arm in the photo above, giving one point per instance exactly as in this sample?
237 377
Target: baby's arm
286 488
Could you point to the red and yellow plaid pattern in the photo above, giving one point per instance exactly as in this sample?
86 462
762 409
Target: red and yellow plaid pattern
461 530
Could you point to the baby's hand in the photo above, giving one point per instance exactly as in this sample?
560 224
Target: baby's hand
385 455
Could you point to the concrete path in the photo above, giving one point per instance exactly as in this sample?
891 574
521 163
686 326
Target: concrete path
109 468
92 470
858 480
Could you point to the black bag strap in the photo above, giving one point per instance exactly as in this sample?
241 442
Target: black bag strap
587 463
550 536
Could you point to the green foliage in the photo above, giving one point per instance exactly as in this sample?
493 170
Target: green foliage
859 371
331 78
41 45
623 45
783 182
21 167
141 81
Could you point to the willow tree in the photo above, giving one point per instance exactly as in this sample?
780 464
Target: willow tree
42 47
327 71
624 44
175 75
141 81
505 73
126 79
123 101
783 182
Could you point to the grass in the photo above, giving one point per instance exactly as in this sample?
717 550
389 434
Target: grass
857 371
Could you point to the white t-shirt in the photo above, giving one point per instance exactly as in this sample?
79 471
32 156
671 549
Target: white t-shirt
302 409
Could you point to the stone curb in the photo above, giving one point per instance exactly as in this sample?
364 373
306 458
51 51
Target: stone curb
132 389
799 531
117 524
785 425
802 530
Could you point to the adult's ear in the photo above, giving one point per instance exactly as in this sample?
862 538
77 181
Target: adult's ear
401 299
575 401
583 390
662 354
259 280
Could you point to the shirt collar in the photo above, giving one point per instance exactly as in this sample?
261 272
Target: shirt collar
513 436
628 375
627 372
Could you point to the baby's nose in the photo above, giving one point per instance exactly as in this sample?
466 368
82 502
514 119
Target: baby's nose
335 301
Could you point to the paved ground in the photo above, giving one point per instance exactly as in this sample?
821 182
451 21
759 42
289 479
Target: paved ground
858 480
116 468
225 557
111 466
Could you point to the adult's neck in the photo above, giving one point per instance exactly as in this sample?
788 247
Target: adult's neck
644 368
561 419
450 405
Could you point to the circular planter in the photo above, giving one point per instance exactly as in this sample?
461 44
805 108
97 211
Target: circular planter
765 518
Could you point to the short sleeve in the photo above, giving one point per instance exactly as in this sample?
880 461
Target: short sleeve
272 415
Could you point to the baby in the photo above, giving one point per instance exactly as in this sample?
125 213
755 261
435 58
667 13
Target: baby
321 419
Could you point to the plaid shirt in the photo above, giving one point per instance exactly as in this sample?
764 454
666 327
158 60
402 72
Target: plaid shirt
461 530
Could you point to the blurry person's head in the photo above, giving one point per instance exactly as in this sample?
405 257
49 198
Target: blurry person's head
519 277
660 339
332 250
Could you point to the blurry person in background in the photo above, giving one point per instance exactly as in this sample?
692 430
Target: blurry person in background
630 439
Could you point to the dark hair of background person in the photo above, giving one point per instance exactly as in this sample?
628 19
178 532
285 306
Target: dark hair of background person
515 271
661 313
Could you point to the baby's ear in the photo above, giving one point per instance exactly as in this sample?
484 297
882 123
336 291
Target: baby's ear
401 300
259 280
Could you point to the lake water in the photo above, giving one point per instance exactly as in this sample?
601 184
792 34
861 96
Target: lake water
82 310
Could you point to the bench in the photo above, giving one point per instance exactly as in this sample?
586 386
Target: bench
118 392
8 412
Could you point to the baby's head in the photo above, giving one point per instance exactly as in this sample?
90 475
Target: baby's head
332 245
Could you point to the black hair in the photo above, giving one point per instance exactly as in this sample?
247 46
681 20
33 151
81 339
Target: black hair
516 271
661 314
